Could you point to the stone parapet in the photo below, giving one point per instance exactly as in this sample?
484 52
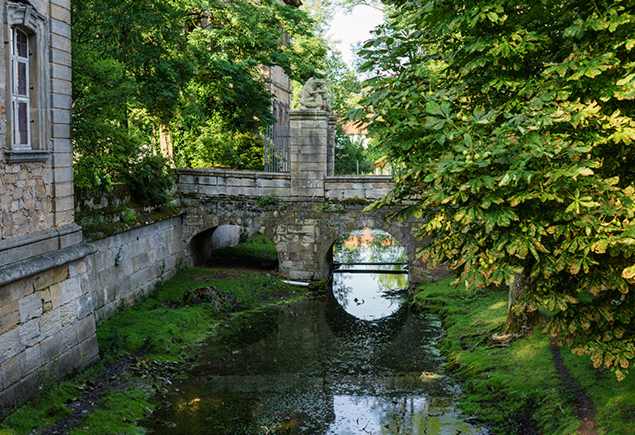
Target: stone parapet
47 326
367 187
227 182
330 146
24 246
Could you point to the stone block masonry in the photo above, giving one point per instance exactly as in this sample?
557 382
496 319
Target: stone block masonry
223 182
47 328
128 266
308 152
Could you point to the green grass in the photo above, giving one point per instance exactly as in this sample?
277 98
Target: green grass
118 413
614 400
502 386
167 328
48 405
257 245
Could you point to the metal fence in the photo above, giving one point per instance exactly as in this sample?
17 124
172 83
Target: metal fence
277 149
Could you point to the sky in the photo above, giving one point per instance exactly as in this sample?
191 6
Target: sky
353 27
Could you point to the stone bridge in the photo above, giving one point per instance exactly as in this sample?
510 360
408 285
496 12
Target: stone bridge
303 212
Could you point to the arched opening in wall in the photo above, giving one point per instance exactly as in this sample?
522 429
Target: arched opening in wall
234 246
370 273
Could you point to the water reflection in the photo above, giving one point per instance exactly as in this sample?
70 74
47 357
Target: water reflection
337 366
303 370
369 295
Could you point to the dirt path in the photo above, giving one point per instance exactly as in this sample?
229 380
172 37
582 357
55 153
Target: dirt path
586 411
108 379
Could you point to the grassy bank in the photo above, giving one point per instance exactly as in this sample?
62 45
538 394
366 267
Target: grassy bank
155 339
257 246
515 388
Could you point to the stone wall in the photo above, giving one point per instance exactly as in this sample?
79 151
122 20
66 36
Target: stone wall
369 188
303 231
227 182
47 328
128 266
36 191
26 198
47 323
89 200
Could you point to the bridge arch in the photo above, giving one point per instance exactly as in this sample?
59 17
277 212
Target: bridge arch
331 234
198 238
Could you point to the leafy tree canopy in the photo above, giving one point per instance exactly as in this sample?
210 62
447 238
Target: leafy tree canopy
154 72
513 122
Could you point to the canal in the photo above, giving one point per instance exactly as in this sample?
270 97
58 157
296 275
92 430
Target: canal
355 362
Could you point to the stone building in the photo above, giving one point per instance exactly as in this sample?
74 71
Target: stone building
47 325
278 82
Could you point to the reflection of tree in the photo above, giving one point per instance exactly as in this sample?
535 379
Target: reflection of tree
366 245
341 291
387 281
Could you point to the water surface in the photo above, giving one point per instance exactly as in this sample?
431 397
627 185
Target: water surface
355 362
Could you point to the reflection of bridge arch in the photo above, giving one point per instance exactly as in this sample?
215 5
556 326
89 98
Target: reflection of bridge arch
332 234
348 327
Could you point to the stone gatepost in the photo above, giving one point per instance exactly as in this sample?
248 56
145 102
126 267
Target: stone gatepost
308 152
330 147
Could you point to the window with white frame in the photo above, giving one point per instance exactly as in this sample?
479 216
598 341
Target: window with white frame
28 83
20 86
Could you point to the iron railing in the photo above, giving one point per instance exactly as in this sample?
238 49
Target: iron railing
277 149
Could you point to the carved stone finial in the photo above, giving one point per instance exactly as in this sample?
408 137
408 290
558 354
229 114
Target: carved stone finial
311 95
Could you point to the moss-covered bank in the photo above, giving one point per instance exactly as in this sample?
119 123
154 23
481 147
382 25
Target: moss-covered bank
515 387
142 348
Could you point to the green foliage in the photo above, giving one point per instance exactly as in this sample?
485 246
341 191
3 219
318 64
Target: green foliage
150 180
513 123
167 326
267 200
613 400
501 383
215 145
351 156
186 72
118 413
49 405
128 215
257 245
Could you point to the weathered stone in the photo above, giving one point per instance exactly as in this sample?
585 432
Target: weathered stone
30 359
86 328
29 333
70 290
84 306
50 277
50 348
10 371
30 307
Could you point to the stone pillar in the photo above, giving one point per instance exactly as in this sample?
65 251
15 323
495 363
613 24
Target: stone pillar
330 147
308 145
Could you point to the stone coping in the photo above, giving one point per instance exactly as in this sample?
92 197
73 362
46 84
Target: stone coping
38 236
234 173
41 263
358 178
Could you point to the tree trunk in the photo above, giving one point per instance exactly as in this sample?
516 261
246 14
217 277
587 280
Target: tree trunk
165 136
519 323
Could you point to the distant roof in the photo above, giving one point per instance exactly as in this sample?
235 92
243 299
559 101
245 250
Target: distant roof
296 3
351 128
